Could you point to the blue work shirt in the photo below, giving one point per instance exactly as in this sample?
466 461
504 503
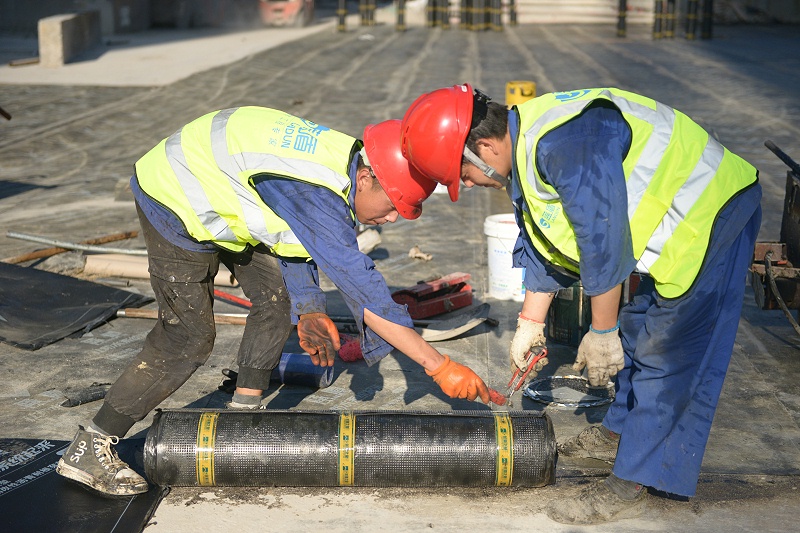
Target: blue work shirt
322 223
582 160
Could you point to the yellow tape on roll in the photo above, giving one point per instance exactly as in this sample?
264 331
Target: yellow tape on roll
347 442
204 455
505 449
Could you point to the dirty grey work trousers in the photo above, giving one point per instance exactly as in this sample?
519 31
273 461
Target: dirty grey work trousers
183 337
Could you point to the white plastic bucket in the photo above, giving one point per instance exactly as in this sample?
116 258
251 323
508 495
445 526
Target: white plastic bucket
505 281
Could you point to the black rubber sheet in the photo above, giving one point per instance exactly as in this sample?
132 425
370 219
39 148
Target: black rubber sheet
38 308
34 498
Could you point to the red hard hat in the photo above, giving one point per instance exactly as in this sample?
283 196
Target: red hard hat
434 130
406 186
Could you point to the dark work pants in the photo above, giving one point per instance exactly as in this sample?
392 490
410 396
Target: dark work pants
183 336
676 356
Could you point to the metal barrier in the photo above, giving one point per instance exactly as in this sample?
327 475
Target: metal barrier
622 14
481 15
367 10
665 15
437 14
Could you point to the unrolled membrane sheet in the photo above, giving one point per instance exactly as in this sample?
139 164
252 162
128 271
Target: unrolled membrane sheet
196 447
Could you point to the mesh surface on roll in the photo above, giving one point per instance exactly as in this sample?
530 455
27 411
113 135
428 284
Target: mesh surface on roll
197 447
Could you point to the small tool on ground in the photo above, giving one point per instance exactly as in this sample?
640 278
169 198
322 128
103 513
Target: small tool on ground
518 379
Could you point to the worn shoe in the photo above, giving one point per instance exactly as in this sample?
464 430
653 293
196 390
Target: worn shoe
92 461
590 443
244 406
596 504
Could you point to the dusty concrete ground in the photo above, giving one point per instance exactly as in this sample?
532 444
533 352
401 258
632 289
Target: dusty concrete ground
68 146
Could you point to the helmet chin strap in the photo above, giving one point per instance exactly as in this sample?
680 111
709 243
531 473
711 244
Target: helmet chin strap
488 171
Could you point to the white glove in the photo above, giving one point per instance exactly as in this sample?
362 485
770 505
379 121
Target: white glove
530 334
601 353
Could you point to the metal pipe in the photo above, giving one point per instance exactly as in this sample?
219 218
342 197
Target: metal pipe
401 16
48 252
341 13
197 447
496 15
691 20
669 29
708 19
74 246
658 12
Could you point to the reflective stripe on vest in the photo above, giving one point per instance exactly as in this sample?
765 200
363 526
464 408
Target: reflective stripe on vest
676 185
203 173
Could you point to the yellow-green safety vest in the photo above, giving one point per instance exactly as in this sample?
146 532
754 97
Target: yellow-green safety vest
678 180
203 173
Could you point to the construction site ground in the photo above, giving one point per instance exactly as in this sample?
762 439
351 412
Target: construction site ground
76 131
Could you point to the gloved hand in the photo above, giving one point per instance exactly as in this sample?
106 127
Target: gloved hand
459 381
319 337
530 334
601 353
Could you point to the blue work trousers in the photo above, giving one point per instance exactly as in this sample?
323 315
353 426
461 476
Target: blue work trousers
676 356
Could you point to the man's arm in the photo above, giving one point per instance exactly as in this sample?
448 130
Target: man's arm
321 222
583 161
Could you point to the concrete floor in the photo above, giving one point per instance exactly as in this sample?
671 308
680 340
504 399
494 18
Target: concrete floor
69 145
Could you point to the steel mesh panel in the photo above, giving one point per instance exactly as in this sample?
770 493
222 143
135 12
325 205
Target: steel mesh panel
391 448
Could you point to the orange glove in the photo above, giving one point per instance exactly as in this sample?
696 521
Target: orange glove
459 381
318 336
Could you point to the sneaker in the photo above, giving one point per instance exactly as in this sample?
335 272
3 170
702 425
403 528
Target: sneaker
596 504
244 406
91 461
591 443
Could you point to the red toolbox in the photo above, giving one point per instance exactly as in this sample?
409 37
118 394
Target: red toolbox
437 296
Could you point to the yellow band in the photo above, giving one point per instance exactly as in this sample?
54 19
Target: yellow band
347 442
505 449
204 455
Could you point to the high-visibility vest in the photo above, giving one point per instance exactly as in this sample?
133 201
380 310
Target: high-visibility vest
678 180
203 173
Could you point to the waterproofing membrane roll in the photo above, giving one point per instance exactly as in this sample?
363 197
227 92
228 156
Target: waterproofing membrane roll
197 447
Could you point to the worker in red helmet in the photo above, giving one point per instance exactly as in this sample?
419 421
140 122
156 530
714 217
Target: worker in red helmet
606 183
274 197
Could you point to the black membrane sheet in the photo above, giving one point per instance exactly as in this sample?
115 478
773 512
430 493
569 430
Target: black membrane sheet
34 498
38 308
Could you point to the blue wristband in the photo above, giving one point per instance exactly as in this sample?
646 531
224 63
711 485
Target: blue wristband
615 328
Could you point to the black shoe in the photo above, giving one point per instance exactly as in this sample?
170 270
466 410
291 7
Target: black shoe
92 461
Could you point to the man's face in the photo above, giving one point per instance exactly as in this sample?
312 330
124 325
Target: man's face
472 176
372 204
495 154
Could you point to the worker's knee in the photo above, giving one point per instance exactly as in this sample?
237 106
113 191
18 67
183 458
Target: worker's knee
272 305
202 346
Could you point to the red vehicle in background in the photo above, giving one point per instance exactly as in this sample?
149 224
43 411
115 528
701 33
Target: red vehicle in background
296 13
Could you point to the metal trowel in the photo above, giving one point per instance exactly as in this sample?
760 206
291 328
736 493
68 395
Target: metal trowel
438 330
